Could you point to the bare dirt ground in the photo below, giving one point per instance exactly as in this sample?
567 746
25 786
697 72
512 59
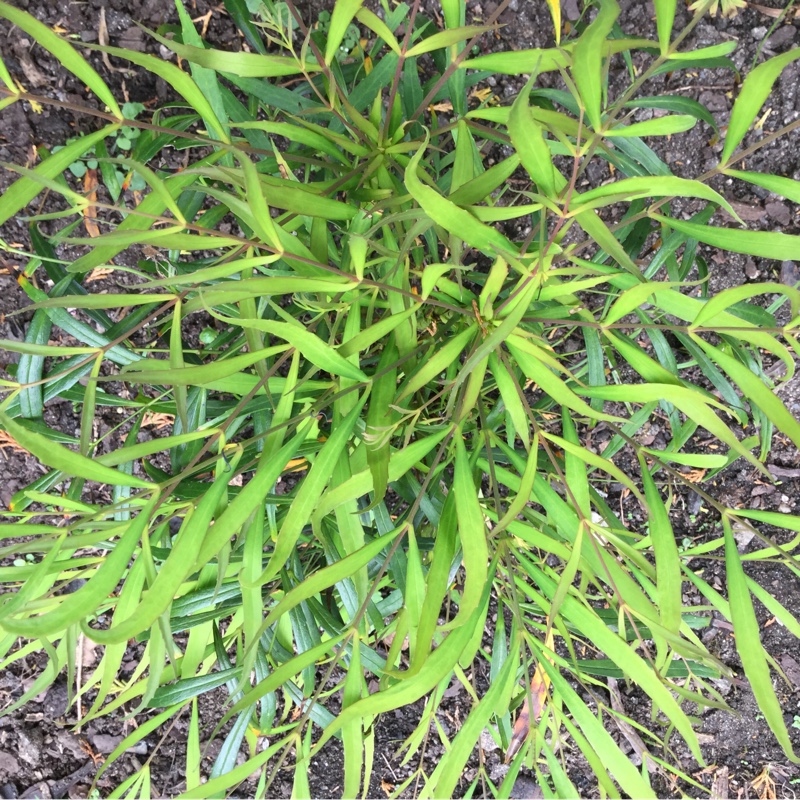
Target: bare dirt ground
43 754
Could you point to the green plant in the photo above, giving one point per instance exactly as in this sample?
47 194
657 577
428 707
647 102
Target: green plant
351 34
378 326
119 143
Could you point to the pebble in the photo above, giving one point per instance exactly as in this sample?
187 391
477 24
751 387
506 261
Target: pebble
8 763
30 746
792 670
526 787
783 36
714 101
779 212
743 535
132 38
39 790
104 743
758 33
790 274
56 700
571 9
488 744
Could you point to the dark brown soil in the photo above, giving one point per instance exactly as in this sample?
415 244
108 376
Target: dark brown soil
44 754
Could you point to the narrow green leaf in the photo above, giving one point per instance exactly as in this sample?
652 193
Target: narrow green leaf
319 353
447 38
310 491
665 17
177 78
780 246
176 568
193 740
239 12
377 434
205 78
528 139
754 92
449 770
661 126
378 27
438 666
190 688
472 532
681 105
665 550
64 53
519 62
440 361
629 189
30 367
157 371
786 187
23 190
587 61
690 401
705 53
60 458
755 391
748 643
451 217
548 382
342 16
241 64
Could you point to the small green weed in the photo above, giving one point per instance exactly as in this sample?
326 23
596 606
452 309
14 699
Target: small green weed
120 143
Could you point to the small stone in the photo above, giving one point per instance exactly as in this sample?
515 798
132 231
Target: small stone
779 212
792 670
758 33
56 700
723 686
68 742
132 38
747 212
30 746
38 790
790 274
744 535
9 792
488 744
104 743
714 101
8 763
499 771
783 36
785 508
750 269
527 788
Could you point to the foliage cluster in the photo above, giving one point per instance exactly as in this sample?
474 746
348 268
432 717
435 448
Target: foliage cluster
414 315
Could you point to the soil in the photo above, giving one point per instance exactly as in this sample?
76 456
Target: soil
44 754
